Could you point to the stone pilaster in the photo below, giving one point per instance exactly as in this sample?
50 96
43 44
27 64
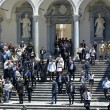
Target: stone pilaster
76 33
36 35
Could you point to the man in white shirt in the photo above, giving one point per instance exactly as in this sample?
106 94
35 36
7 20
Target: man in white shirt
87 98
7 65
106 86
51 69
7 88
88 56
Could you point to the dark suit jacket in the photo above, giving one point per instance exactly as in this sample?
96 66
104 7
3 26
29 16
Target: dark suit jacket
71 91
42 51
57 78
54 88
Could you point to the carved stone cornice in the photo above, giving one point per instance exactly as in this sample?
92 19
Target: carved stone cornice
36 18
76 17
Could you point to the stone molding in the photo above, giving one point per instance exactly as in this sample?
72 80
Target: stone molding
36 18
76 18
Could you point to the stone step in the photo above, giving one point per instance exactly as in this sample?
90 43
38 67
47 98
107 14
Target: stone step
59 99
52 107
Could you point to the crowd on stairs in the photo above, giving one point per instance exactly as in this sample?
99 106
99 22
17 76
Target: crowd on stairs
21 71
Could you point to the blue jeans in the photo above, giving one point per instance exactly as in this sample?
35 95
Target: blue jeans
6 96
86 73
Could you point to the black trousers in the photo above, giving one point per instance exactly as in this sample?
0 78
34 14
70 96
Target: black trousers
51 75
21 98
71 98
72 74
6 73
80 56
29 97
60 86
87 104
105 93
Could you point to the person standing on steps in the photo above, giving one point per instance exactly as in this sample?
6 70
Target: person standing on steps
87 99
29 90
54 92
51 69
42 53
106 86
91 80
71 92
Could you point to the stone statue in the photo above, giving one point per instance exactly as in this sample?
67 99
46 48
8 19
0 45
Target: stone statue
26 27
99 23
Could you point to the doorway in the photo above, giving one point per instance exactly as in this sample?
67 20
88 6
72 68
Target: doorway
59 18
63 31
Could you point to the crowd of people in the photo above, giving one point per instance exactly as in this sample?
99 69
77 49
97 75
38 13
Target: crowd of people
22 71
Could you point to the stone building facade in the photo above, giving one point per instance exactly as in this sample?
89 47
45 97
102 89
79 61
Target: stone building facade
45 14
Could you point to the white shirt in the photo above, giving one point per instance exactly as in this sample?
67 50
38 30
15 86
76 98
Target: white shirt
106 84
6 65
51 67
71 67
59 67
87 95
92 51
87 55
7 87
80 50
61 60
91 76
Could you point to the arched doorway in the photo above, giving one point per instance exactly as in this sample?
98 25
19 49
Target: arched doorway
60 12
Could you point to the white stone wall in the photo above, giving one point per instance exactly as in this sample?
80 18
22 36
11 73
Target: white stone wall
85 29
42 33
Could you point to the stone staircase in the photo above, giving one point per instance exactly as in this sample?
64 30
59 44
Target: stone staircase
41 96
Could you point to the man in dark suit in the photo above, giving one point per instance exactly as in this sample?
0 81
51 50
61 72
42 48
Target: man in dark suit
29 90
71 68
71 92
54 92
95 47
83 44
59 80
20 92
82 90
42 53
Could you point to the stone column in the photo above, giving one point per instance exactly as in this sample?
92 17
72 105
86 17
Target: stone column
36 35
76 33
48 34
